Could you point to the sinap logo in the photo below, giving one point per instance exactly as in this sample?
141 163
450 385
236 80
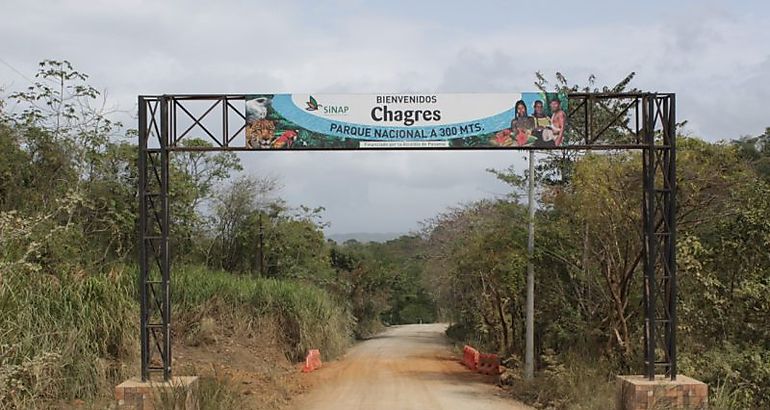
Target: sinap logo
313 105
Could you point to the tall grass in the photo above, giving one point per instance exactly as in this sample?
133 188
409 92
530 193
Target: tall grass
308 317
217 393
63 337
573 382
74 335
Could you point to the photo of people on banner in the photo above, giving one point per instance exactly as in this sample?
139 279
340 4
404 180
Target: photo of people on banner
303 121
544 127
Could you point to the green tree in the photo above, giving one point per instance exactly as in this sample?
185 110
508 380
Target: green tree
756 150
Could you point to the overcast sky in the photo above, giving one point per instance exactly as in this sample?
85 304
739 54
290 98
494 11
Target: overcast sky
714 55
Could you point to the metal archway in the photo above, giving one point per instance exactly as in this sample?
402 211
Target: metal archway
600 121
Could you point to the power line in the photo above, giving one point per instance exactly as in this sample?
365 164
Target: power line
529 358
17 71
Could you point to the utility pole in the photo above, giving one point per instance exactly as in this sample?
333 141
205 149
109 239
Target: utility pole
261 247
529 355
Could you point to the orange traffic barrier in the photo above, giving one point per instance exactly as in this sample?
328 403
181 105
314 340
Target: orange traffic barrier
489 364
312 361
470 357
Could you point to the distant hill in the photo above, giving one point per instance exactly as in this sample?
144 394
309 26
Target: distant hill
364 236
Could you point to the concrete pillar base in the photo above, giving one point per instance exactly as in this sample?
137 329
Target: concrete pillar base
640 393
178 393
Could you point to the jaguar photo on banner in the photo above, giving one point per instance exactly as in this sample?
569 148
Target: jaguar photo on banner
392 121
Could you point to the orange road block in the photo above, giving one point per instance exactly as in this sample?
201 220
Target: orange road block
312 361
489 364
470 357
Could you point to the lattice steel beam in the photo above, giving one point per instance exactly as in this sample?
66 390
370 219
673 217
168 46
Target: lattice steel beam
154 224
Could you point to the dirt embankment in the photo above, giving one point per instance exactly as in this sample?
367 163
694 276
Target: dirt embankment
250 370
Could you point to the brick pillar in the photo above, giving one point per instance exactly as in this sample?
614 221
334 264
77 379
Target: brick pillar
179 393
640 393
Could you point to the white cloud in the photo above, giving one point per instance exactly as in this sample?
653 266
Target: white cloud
715 60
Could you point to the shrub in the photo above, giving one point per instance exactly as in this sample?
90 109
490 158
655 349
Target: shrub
66 337
739 377
570 382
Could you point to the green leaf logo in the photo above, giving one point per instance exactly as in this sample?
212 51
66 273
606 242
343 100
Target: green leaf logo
312 105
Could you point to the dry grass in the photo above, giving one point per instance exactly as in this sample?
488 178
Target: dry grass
73 337
65 341
575 384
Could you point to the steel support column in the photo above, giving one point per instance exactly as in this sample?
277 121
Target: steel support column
154 224
143 261
659 219
649 239
666 234
670 179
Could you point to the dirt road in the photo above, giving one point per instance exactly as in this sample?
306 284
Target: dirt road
406 367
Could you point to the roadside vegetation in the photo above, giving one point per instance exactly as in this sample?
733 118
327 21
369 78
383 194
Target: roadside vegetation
254 272
68 295
589 313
